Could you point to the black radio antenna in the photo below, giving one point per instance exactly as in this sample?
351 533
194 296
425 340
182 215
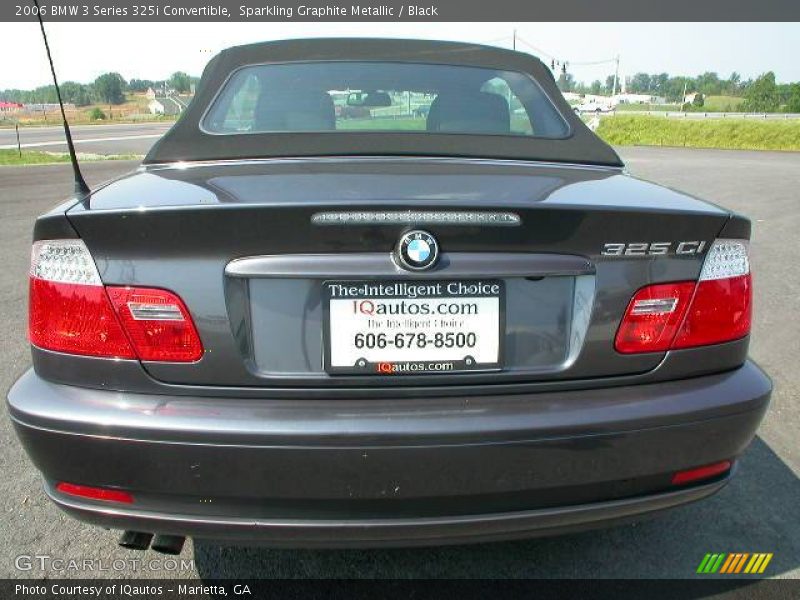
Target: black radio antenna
81 189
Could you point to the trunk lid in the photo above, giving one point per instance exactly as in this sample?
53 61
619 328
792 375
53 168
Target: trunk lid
245 246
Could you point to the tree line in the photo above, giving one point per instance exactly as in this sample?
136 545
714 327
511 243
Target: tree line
109 88
762 94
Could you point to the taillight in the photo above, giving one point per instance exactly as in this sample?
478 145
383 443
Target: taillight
70 311
158 324
653 317
717 308
722 308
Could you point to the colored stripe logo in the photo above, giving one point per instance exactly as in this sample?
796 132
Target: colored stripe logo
733 563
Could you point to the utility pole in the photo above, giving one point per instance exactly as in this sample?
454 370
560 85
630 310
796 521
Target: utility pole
683 99
616 77
514 40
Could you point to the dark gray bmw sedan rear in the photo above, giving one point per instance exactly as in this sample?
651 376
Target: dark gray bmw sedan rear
384 292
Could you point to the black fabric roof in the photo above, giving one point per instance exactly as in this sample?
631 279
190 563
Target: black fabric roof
187 142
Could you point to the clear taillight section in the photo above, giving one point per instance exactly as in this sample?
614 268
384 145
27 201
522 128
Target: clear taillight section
715 309
71 311
726 259
63 261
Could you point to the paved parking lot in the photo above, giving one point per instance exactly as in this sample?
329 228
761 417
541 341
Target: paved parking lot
758 512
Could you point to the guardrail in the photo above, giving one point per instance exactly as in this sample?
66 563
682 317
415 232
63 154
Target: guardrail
702 115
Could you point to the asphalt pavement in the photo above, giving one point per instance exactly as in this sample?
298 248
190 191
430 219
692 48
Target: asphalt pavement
133 138
757 512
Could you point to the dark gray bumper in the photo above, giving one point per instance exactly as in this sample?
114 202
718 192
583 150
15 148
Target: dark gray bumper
390 471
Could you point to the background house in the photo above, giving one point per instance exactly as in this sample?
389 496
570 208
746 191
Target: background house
166 101
10 106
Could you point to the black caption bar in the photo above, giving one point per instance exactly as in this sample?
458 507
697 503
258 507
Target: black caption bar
388 10
547 589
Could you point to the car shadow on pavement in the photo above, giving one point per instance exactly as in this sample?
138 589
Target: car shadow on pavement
757 512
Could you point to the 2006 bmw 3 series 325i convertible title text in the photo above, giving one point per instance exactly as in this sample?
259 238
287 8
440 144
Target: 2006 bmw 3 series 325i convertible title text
384 292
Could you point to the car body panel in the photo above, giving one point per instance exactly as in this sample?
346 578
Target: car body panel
208 466
564 211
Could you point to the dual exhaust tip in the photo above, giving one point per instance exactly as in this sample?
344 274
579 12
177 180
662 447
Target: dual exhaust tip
165 544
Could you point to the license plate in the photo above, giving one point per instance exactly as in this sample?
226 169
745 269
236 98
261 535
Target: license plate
413 327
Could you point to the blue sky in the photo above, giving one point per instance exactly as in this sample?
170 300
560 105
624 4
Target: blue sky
153 51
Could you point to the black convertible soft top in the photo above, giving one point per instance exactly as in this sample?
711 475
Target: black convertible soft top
187 142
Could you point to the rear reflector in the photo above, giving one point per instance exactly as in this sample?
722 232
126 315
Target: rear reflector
699 473
94 493
71 311
716 309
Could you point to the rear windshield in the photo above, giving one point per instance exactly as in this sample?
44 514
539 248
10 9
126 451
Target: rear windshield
382 96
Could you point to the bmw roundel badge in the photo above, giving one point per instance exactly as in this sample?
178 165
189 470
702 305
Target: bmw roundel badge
417 250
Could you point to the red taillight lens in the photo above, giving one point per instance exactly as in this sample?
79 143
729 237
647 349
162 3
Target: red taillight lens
653 316
721 311
94 493
700 473
75 318
718 308
158 324
70 311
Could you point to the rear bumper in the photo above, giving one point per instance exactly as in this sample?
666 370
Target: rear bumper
386 472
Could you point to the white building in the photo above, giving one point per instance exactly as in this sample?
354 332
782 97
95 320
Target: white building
626 98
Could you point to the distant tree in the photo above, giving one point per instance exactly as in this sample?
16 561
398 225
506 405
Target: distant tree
140 85
110 88
709 84
793 102
732 86
566 82
676 86
658 82
596 87
762 94
45 94
75 93
180 82
610 84
639 83
698 101
96 114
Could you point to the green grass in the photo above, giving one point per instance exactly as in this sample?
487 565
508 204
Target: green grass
381 124
734 134
12 157
722 103
519 124
710 104
30 157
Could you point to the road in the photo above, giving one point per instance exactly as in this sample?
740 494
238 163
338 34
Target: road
135 138
757 512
